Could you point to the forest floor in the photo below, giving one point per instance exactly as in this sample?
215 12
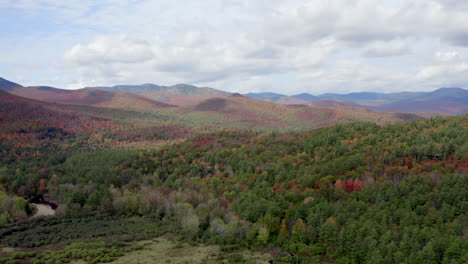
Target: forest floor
166 249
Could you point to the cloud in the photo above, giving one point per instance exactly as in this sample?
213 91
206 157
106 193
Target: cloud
106 50
448 69
241 44
354 76
387 49
195 58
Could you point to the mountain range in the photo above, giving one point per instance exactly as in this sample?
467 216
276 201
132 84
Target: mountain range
193 109
449 101
179 94
444 100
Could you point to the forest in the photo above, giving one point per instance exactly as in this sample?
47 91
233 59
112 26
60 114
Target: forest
350 193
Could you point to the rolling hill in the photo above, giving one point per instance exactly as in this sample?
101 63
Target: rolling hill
180 94
150 96
229 111
17 110
243 112
90 97
32 127
41 127
28 123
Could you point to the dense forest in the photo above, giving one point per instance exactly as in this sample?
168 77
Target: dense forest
351 193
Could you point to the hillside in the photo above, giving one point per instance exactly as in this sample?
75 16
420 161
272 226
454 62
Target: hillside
29 126
213 114
7 85
16 110
342 194
180 94
243 112
90 97
34 128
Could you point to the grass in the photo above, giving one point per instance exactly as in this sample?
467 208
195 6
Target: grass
166 250
47 233
108 239
7 250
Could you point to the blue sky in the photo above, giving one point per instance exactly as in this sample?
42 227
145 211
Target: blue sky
243 46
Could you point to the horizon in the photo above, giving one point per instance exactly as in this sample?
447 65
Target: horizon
278 93
239 46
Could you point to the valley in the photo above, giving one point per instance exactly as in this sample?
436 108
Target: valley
227 179
234 131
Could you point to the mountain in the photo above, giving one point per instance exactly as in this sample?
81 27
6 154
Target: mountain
444 100
266 96
38 127
33 116
42 127
455 94
306 96
91 97
228 111
7 85
179 94
277 98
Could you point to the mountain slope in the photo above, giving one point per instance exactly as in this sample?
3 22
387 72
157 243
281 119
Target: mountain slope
242 112
91 97
306 96
215 113
180 94
7 85
31 128
27 122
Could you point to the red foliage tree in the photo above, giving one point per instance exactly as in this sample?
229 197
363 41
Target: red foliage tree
357 185
409 163
349 184
339 184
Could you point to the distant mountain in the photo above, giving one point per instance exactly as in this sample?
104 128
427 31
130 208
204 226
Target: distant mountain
7 85
151 96
179 94
306 96
455 94
277 98
88 108
372 96
443 100
91 97
267 96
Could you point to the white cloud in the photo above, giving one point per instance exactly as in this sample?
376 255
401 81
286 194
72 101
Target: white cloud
354 76
387 49
448 69
105 50
337 45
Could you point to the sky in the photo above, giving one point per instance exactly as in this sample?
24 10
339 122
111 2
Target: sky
289 47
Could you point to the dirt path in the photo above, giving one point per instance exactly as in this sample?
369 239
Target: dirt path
43 210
